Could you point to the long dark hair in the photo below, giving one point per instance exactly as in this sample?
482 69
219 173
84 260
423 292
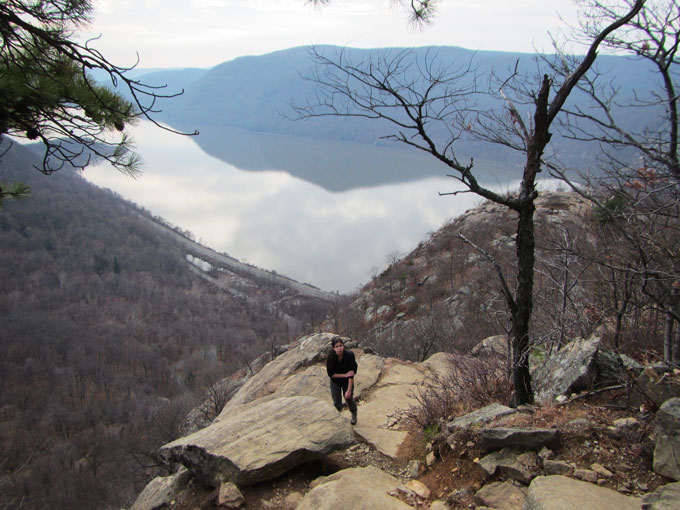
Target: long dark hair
331 355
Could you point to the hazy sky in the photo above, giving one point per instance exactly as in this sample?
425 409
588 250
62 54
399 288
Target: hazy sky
204 33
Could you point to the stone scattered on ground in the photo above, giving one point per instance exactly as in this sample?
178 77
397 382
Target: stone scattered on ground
229 496
557 467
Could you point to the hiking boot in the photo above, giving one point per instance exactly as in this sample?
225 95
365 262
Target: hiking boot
353 421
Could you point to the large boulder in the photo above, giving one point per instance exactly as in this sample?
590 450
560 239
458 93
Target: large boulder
667 439
492 346
366 488
563 493
262 442
579 365
310 350
652 386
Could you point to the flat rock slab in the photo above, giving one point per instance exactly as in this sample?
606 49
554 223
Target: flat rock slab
366 488
376 415
402 372
519 438
262 442
562 493
393 395
483 415
311 349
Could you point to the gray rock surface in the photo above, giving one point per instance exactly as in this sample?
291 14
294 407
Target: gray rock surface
229 496
311 349
520 438
511 464
483 415
380 415
491 346
666 497
667 436
569 370
161 491
562 493
650 385
262 442
610 367
365 488
501 496
557 467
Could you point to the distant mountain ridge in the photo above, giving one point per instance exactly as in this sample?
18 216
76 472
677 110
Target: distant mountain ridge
255 93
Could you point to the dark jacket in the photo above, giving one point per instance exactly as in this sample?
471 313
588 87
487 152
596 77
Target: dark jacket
335 366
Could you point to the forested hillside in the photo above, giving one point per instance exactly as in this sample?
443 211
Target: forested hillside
445 295
108 338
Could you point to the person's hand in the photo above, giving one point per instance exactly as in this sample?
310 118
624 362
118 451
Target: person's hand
348 394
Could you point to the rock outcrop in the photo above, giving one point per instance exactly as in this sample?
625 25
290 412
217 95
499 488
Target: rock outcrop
579 365
282 417
262 442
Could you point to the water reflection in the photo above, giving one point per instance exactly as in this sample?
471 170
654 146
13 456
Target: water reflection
277 221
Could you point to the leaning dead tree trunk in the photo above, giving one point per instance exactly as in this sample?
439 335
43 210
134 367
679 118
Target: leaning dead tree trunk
422 100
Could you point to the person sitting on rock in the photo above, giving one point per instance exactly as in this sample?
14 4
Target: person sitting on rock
341 367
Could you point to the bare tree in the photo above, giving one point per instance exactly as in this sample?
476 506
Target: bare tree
421 99
637 198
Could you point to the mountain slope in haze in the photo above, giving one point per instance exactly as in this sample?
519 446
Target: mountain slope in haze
255 94
108 336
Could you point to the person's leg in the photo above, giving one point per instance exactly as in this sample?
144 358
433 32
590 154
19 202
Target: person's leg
352 405
336 394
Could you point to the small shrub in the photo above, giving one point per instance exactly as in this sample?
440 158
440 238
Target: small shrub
471 383
431 432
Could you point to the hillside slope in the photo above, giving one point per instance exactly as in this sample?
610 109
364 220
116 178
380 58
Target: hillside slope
109 333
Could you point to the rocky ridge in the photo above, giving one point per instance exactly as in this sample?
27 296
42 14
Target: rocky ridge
279 443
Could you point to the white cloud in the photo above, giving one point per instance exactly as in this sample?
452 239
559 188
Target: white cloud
204 33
